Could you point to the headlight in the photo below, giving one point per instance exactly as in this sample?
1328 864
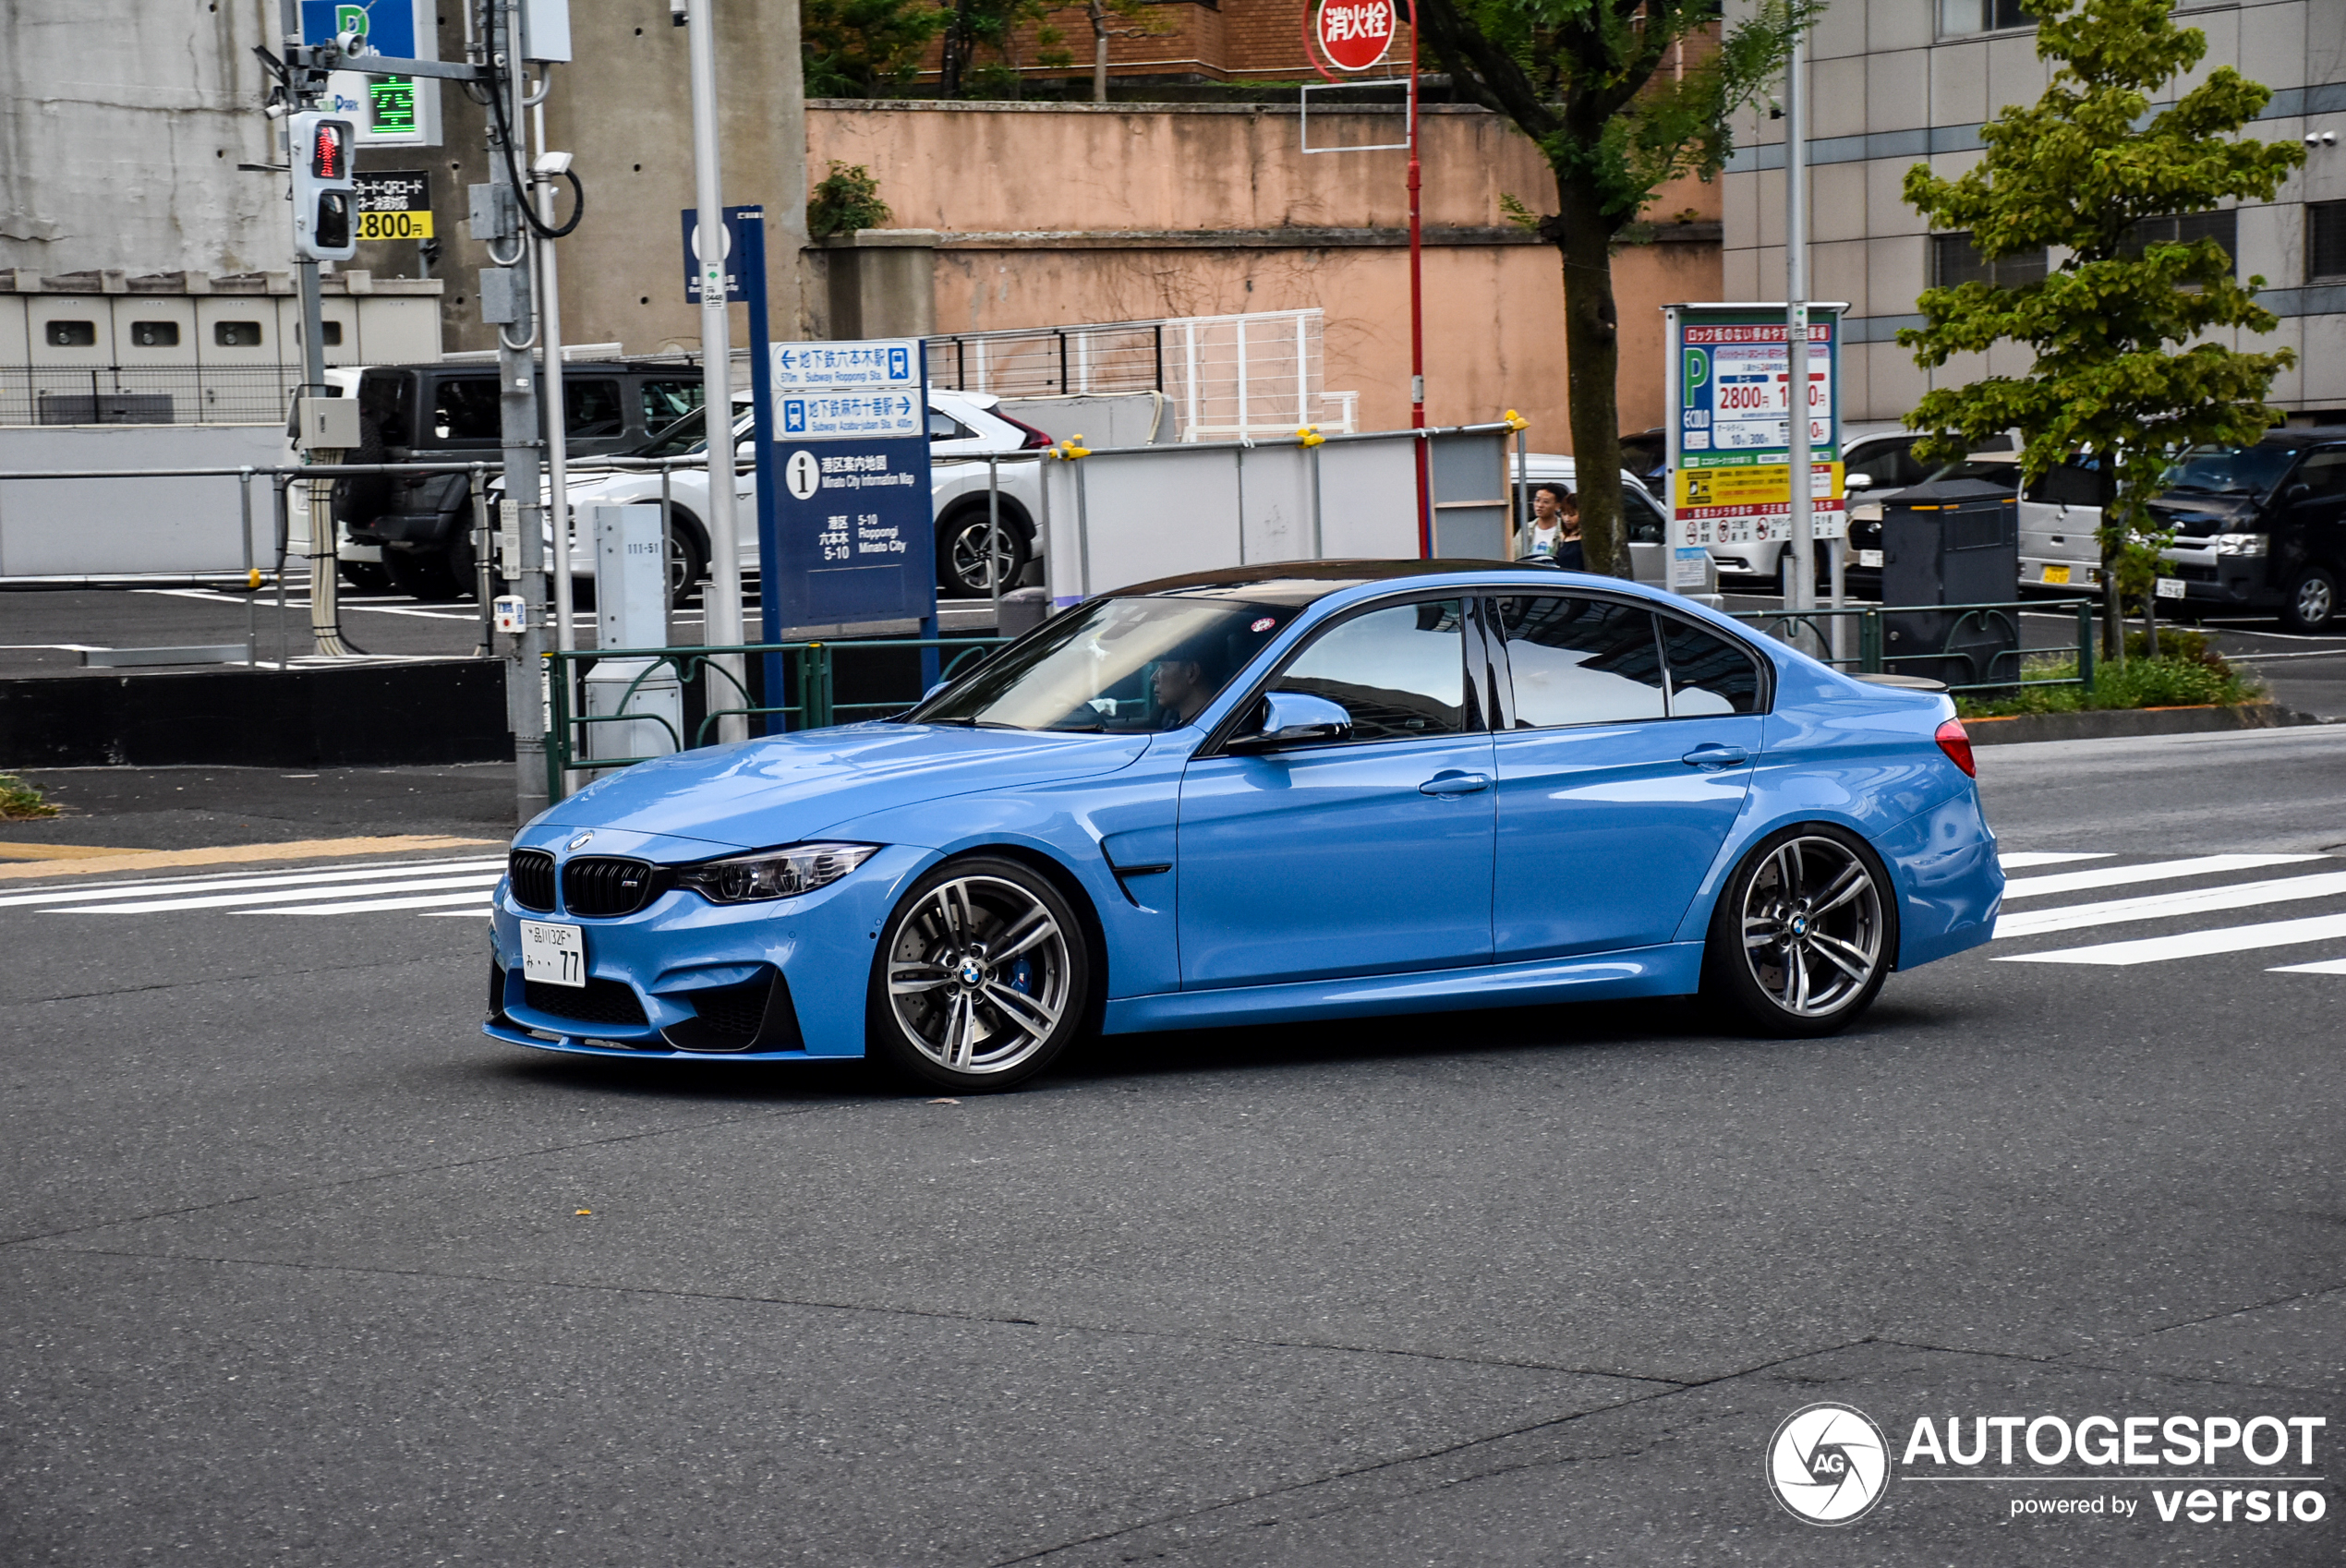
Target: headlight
773 874
2240 544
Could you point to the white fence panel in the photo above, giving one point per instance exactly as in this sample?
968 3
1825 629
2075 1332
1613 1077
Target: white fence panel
121 527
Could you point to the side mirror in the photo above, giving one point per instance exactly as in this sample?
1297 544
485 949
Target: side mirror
1294 719
2297 492
1857 482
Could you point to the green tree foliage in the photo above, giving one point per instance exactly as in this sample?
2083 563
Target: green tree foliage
974 28
865 48
844 201
2079 171
1594 83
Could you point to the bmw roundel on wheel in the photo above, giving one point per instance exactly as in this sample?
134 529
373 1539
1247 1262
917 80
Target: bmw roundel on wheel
1302 790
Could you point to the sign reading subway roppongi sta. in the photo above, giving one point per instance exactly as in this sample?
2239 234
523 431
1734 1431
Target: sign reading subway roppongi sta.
1354 34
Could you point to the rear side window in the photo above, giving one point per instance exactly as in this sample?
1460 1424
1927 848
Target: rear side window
1399 671
464 409
383 400
592 410
1582 661
1709 675
667 401
2324 473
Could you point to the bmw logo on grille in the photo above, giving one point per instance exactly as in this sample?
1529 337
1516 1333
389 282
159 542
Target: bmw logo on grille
580 842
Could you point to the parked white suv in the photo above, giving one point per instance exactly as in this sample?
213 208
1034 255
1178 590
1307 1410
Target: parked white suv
1648 524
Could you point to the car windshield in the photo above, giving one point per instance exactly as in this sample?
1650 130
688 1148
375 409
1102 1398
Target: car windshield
1127 665
1996 471
2230 470
686 437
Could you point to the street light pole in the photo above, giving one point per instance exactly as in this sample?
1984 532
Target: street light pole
724 600
1416 316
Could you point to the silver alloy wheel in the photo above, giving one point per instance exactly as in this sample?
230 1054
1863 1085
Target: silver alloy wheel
968 553
1812 926
2313 604
978 974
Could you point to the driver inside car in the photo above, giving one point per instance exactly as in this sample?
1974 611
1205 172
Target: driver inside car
1181 691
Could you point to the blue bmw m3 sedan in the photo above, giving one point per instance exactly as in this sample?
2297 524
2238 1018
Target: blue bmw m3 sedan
1302 790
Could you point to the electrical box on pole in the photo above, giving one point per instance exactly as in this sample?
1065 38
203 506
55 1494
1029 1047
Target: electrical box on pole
323 186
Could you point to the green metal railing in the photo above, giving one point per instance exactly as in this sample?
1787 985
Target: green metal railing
809 670
1873 656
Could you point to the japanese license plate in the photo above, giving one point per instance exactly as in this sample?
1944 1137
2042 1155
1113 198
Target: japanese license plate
1869 558
2171 588
2056 574
555 954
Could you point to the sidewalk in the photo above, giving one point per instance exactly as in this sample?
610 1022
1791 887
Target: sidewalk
146 809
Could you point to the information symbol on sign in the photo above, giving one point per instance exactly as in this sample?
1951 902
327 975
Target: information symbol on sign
803 474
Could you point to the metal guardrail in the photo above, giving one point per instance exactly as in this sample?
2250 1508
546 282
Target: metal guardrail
809 668
1872 656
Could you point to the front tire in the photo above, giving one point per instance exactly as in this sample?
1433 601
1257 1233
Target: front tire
1804 934
960 553
982 979
2310 603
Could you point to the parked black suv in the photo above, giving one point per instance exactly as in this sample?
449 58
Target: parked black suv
2261 527
450 414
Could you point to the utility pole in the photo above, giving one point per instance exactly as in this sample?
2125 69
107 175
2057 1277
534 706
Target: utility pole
497 209
1800 593
726 684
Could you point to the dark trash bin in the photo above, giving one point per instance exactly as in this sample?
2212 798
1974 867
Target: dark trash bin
1955 542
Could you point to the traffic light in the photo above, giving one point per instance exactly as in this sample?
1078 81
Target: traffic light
322 186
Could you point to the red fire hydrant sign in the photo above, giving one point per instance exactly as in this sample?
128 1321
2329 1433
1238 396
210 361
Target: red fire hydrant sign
1354 34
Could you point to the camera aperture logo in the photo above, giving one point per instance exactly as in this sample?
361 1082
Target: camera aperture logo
1828 1465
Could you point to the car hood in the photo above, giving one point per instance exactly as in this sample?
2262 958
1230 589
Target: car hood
789 788
2195 516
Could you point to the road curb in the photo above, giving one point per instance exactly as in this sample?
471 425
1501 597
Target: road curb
2104 723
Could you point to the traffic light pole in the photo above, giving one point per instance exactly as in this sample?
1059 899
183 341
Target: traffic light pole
520 429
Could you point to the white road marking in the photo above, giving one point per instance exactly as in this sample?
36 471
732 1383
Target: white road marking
2327 966
2155 871
87 892
476 904
2160 906
2195 944
2026 857
233 901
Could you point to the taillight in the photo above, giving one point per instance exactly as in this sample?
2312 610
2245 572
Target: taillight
1036 440
1957 745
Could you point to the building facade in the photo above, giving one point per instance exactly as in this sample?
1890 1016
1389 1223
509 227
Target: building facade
1896 82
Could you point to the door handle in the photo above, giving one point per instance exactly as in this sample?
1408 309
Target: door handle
1711 754
1452 783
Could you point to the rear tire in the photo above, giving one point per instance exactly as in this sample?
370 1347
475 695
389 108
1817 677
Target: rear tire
960 553
982 980
424 576
1805 932
366 576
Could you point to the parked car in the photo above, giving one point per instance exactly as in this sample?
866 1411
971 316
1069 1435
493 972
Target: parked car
1646 453
1649 523
2060 519
444 413
1299 791
2261 527
963 427
1877 465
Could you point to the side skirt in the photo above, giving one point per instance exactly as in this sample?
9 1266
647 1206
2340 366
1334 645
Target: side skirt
1672 970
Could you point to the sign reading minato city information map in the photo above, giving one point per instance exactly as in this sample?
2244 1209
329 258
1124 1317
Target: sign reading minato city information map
1354 34
1730 430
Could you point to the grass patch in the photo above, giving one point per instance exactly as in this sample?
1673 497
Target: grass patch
2188 672
20 802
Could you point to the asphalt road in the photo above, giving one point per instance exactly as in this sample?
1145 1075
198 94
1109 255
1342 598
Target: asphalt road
298 1269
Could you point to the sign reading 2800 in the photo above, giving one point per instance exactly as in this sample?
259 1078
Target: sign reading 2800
395 204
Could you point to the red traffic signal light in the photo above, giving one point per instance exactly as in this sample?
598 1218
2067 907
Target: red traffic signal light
329 152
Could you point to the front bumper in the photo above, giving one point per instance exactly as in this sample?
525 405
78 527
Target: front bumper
657 977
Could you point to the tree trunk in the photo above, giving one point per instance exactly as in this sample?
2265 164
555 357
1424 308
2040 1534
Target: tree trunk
1592 363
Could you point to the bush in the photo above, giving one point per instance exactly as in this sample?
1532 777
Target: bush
2193 676
20 802
844 201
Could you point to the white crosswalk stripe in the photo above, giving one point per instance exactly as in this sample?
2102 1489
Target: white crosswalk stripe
2022 859
2173 905
443 887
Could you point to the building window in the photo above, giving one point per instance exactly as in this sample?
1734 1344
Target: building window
236 334
155 335
1954 262
1958 19
2184 229
2326 240
73 334
329 333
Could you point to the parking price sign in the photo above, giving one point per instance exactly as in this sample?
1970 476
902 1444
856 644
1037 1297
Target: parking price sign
855 537
1730 428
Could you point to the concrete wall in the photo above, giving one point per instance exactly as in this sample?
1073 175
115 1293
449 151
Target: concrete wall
1055 214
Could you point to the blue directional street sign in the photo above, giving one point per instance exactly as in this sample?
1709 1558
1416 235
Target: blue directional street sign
876 363
835 415
734 292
